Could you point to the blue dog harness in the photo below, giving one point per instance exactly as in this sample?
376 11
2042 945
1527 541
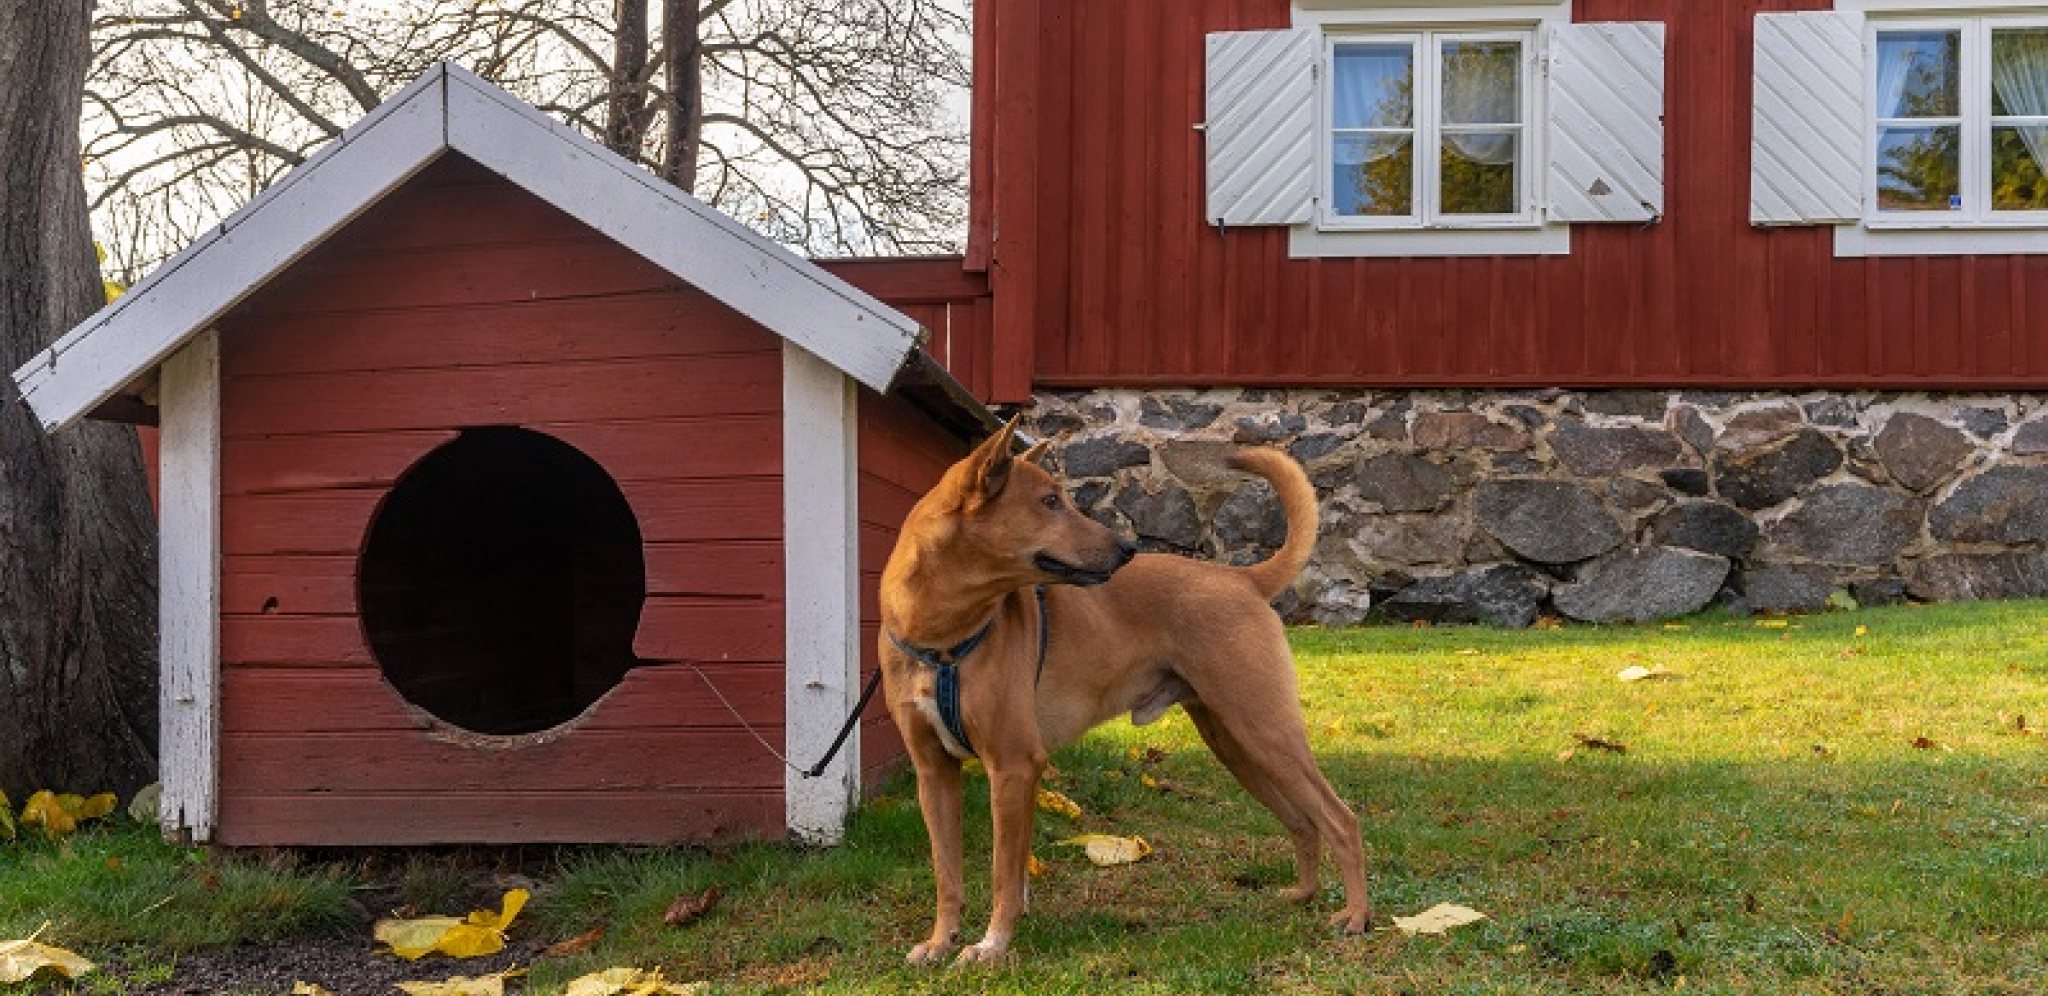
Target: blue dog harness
945 664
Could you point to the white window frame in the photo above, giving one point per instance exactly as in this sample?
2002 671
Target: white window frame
1897 233
1975 124
1427 128
1530 234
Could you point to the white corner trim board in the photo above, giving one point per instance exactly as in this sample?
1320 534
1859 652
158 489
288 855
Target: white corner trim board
188 589
450 109
821 591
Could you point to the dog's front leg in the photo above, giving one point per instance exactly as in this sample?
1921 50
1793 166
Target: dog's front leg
939 797
1013 805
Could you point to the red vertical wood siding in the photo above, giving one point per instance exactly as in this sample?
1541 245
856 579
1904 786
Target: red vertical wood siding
902 454
946 297
461 301
1105 274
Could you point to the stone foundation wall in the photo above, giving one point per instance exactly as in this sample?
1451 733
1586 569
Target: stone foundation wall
1598 506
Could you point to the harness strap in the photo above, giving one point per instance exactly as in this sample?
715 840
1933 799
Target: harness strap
945 665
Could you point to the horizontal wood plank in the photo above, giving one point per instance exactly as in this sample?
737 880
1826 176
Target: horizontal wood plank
501 817
676 629
329 461
361 276
423 761
607 390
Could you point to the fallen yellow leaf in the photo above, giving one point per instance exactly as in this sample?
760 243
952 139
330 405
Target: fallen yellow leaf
462 985
1862 631
480 933
1106 850
20 960
310 989
1438 919
1036 867
6 818
60 814
1054 802
613 981
1772 623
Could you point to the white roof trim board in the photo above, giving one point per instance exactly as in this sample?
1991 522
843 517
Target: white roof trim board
450 109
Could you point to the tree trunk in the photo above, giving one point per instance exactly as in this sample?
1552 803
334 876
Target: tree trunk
626 108
683 41
77 554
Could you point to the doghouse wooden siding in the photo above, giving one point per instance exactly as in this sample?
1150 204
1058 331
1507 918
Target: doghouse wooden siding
902 454
1106 274
460 300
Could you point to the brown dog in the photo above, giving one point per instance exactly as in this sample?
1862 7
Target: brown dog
1162 631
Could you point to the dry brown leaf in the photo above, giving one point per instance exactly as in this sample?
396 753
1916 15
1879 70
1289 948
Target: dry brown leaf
1927 743
1596 743
688 908
575 945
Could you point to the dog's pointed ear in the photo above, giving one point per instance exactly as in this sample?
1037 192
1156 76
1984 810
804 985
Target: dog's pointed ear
1036 454
990 465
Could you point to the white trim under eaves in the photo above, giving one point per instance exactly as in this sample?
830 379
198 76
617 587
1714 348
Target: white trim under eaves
821 591
1428 13
1939 8
451 109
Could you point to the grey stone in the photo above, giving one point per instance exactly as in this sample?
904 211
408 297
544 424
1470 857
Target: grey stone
1392 425
1685 481
1850 524
1051 424
1642 584
1309 449
1596 452
1765 476
1270 428
1531 418
1517 464
2031 438
1687 422
1167 516
1983 423
1634 496
1176 414
1834 412
1411 540
1973 577
1250 516
1646 405
1706 526
1501 595
1760 425
1342 602
1090 495
1101 456
1920 452
1404 482
1200 462
1783 588
1346 413
2000 505
1879 591
1551 522
1466 431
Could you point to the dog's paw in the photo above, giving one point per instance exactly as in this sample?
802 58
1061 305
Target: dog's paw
1352 921
929 953
987 952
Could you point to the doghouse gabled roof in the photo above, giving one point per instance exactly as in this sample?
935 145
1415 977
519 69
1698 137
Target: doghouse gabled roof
451 109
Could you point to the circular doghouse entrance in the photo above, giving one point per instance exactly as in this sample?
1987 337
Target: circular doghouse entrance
502 581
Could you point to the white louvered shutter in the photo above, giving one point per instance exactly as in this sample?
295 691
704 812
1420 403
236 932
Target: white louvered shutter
1806 150
1606 122
1261 126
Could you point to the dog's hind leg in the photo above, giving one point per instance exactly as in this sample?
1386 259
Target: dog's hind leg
1300 829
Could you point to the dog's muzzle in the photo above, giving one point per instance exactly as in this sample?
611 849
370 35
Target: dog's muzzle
1083 576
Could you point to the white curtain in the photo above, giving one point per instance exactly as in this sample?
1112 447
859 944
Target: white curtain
1374 86
1482 85
2019 73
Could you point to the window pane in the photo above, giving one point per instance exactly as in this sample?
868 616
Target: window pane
1919 74
1374 86
1479 173
1482 82
1919 169
1374 175
2018 180
2019 72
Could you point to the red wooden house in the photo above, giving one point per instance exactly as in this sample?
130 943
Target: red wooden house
510 495
1605 244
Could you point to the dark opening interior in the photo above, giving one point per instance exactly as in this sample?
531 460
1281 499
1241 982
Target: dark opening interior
502 582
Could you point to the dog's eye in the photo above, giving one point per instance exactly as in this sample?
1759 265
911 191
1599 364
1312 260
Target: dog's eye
1051 501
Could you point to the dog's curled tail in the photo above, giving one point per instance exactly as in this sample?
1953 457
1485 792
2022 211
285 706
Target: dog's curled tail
1298 501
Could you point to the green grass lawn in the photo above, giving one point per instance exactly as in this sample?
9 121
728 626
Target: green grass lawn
1851 803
